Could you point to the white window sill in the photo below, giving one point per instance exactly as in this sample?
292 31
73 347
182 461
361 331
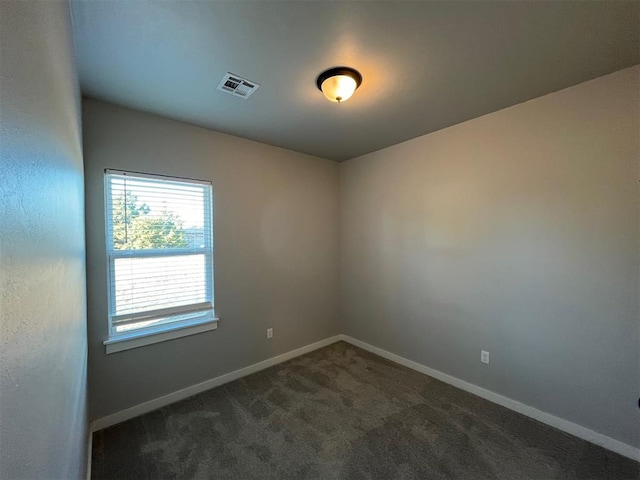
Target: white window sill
131 340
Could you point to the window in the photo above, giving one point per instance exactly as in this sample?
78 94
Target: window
160 255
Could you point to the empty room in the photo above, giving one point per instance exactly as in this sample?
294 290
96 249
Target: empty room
319 240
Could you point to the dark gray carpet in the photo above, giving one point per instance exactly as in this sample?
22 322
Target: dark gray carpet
343 413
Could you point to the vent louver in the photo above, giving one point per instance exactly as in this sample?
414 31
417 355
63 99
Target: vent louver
236 85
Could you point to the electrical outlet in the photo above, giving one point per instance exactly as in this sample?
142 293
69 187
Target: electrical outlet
269 332
484 356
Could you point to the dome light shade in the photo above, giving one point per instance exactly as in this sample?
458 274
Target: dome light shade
338 84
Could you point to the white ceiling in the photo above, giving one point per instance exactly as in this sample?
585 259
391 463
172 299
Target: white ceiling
426 65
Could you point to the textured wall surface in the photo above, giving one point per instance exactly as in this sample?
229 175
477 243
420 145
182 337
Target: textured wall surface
43 421
276 251
516 233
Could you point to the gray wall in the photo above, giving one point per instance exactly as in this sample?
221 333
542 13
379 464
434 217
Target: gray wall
276 251
516 233
43 421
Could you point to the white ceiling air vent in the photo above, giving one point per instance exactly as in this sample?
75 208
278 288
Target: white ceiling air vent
238 86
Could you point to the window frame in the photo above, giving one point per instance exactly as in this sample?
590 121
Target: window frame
198 317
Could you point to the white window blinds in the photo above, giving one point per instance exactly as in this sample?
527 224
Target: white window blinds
160 251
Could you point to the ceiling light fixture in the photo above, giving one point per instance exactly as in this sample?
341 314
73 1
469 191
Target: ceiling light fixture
338 84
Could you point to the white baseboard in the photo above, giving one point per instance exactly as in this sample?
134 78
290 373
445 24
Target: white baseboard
142 408
89 450
546 418
551 420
